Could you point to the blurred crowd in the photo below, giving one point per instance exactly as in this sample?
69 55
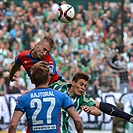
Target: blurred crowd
91 43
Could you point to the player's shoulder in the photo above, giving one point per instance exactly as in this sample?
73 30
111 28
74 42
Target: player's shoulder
59 85
24 97
49 57
57 91
25 52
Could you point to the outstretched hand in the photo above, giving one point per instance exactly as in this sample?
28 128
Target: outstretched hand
86 109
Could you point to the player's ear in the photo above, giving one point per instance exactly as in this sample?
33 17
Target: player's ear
37 44
31 72
73 83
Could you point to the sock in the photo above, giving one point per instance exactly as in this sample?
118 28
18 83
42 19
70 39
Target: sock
114 111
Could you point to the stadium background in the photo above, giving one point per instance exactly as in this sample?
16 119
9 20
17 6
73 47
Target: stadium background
72 2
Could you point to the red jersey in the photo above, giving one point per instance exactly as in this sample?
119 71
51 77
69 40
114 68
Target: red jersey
25 59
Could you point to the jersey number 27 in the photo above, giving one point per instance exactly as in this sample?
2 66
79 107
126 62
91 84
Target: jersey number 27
39 108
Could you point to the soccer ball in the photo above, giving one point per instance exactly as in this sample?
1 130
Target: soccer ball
65 13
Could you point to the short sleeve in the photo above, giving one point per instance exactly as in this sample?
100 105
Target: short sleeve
67 102
19 105
17 60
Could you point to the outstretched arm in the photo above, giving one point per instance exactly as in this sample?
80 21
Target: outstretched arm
14 69
113 110
76 118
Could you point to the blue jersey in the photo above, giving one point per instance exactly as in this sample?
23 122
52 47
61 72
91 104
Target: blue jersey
42 107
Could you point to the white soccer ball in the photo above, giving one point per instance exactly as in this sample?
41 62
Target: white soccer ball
66 13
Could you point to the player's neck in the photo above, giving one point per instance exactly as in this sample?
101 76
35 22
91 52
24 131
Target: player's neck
70 90
42 86
33 54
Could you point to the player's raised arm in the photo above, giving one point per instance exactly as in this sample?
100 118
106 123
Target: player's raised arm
113 110
77 120
14 69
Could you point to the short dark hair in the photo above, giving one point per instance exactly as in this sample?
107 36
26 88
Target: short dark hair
40 73
80 75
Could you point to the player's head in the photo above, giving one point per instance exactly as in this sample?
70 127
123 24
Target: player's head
79 83
44 46
40 74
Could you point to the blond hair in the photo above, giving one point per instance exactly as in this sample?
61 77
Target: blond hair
47 39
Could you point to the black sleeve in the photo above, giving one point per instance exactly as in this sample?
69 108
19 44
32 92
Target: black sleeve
114 111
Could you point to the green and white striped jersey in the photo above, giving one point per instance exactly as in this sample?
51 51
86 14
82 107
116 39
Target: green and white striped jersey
66 122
